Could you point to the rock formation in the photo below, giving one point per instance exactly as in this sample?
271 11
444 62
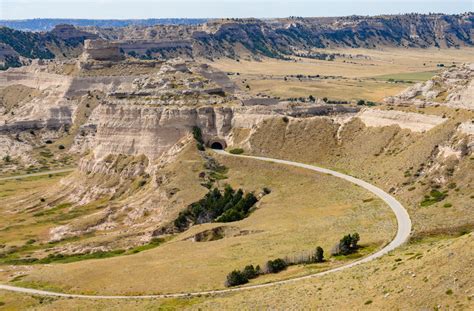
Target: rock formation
101 50
453 87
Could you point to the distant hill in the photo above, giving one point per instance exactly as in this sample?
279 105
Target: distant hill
46 24
275 38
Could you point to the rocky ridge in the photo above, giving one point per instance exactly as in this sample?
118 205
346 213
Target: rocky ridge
276 38
453 88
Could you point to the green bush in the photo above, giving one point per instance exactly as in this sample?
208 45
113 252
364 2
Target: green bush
434 197
347 245
236 151
251 272
200 147
197 134
275 266
236 278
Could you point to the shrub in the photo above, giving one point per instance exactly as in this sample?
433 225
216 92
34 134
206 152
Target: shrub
251 272
200 147
236 278
197 134
237 151
61 147
434 197
275 266
347 245
285 119
319 254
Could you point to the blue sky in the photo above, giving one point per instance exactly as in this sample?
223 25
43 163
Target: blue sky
128 9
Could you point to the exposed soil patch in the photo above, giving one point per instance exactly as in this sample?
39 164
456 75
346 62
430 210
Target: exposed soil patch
221 232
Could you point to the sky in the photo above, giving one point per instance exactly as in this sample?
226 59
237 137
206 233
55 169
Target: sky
137 9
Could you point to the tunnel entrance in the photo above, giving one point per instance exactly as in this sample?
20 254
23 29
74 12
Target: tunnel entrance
217 145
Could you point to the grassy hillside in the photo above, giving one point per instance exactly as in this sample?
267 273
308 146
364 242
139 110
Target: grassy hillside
303 210
399 161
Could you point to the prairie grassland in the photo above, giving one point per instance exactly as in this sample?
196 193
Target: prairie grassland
334 89
365 76
380 62
392 282
442 267
19 227
303 210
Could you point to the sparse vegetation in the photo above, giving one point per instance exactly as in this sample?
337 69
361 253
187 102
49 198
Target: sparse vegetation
434 197
236 151
68 258
197 134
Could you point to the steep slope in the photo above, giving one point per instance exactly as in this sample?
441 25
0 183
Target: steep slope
20 46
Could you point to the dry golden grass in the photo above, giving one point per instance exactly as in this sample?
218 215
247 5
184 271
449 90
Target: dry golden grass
381 62
335 89
16 227
304 210
385 156
434 274
440 266
350 79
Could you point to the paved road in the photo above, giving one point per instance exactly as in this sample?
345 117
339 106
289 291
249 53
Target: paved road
403 232
64 170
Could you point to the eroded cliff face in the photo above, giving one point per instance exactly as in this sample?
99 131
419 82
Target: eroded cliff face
138 164
454 88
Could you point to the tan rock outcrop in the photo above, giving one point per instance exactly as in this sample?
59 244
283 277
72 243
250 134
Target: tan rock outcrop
453 88
101 50
406 120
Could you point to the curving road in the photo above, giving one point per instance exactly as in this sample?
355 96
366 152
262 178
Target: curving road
403 233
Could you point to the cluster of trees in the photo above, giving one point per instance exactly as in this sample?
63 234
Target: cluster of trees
216 206
238 277
10 61
28 44
197 134
347 245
